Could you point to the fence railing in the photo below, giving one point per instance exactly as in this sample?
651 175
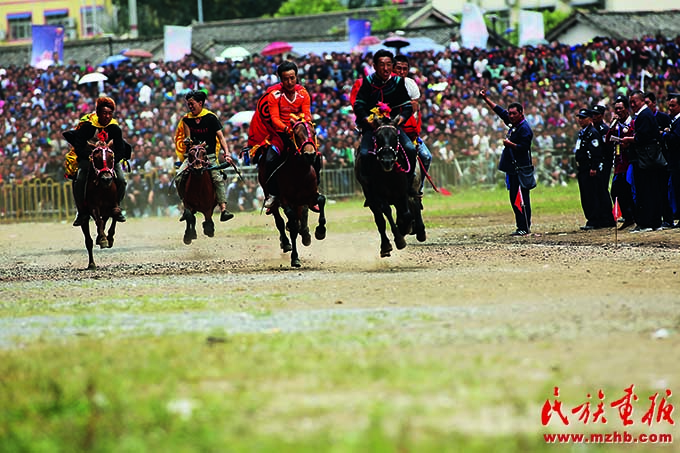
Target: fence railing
53 200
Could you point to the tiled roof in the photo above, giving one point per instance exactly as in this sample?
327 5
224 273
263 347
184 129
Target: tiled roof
622 25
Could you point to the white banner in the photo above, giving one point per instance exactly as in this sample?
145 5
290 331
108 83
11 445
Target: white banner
177 42
531 29
473 31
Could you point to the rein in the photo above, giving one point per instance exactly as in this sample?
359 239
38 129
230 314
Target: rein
387 147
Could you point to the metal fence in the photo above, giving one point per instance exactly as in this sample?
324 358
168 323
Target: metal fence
50 200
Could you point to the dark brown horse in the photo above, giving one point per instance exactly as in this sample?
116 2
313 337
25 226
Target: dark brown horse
387 185
101 197
198 193
298 191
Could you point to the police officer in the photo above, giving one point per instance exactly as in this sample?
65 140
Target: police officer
671 138
588 154
608 149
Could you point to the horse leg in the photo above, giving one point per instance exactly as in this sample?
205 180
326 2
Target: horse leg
304 227
111 233
89 244
294 228
102 241
320 231
385 245
284 243
399 238
190 230
208 225
418 224
404 217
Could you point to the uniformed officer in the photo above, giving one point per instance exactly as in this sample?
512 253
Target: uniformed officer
595 199
608 149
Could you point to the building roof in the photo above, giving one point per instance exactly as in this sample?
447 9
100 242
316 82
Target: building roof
618 25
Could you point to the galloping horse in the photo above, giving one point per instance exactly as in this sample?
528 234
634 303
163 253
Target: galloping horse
198 194
386 186
298 191
101 196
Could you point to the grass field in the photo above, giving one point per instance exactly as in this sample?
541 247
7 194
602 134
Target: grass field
330 358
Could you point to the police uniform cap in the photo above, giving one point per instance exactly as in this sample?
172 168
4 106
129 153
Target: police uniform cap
585 113
598 109
673 96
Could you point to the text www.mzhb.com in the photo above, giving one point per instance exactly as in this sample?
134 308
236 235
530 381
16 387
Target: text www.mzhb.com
608 438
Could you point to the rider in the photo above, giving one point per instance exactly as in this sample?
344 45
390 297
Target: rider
414 124
383 87
87 129
202 125
287 100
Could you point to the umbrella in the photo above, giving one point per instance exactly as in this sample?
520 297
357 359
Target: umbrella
92 77
395 41
235 53
240 118
369 41
137 53
276 48
114 60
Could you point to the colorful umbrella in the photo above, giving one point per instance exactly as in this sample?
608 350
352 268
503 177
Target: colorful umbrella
276 48
114 60
235 53
137 53
244 117
395 41
369 41
92 77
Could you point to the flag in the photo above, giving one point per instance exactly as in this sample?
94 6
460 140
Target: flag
617 209
519 200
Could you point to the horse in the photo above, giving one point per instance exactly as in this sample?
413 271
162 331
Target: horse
198 194
298 190
101 196
386 185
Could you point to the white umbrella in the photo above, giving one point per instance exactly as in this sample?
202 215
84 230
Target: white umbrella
235 53
92 77
242 117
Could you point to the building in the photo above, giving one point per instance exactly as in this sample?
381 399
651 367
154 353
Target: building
80 18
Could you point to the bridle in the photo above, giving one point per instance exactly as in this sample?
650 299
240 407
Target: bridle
311 136
197 156
101 149
389 148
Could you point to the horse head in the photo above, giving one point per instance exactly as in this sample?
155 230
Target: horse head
386 137
303 136
197 157
102 160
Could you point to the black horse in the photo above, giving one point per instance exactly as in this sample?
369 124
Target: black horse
298 191
101 196
386 184
197 193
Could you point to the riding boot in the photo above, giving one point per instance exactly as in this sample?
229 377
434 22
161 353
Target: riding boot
79 197
117 211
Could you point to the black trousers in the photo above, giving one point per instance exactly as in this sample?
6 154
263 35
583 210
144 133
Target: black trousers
523 217
651 185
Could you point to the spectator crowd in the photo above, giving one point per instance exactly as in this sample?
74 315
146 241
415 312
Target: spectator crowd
552 82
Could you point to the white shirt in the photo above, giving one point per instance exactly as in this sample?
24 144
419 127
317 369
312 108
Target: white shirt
412 88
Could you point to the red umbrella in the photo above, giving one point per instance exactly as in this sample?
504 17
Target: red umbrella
137 53
369 41
276 48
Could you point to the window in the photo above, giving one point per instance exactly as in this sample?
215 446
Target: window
19 26
57 17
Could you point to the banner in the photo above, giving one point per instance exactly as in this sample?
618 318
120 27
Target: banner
473 31
531 29
48 45
177 42
357 29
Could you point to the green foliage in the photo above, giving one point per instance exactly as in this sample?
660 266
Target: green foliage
552 19
303 7
389 19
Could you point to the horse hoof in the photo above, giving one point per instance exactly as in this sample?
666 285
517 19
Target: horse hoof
91 267
187 239
295 263
286 247
385 250
104 244
384 254
400 242
320 233
421 236
209 229
306 240
193 234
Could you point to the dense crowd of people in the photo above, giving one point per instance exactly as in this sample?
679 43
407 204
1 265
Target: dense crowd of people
552 82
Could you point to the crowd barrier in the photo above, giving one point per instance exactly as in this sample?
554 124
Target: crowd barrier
49 200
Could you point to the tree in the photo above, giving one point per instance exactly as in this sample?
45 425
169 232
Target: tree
303 7
389 18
